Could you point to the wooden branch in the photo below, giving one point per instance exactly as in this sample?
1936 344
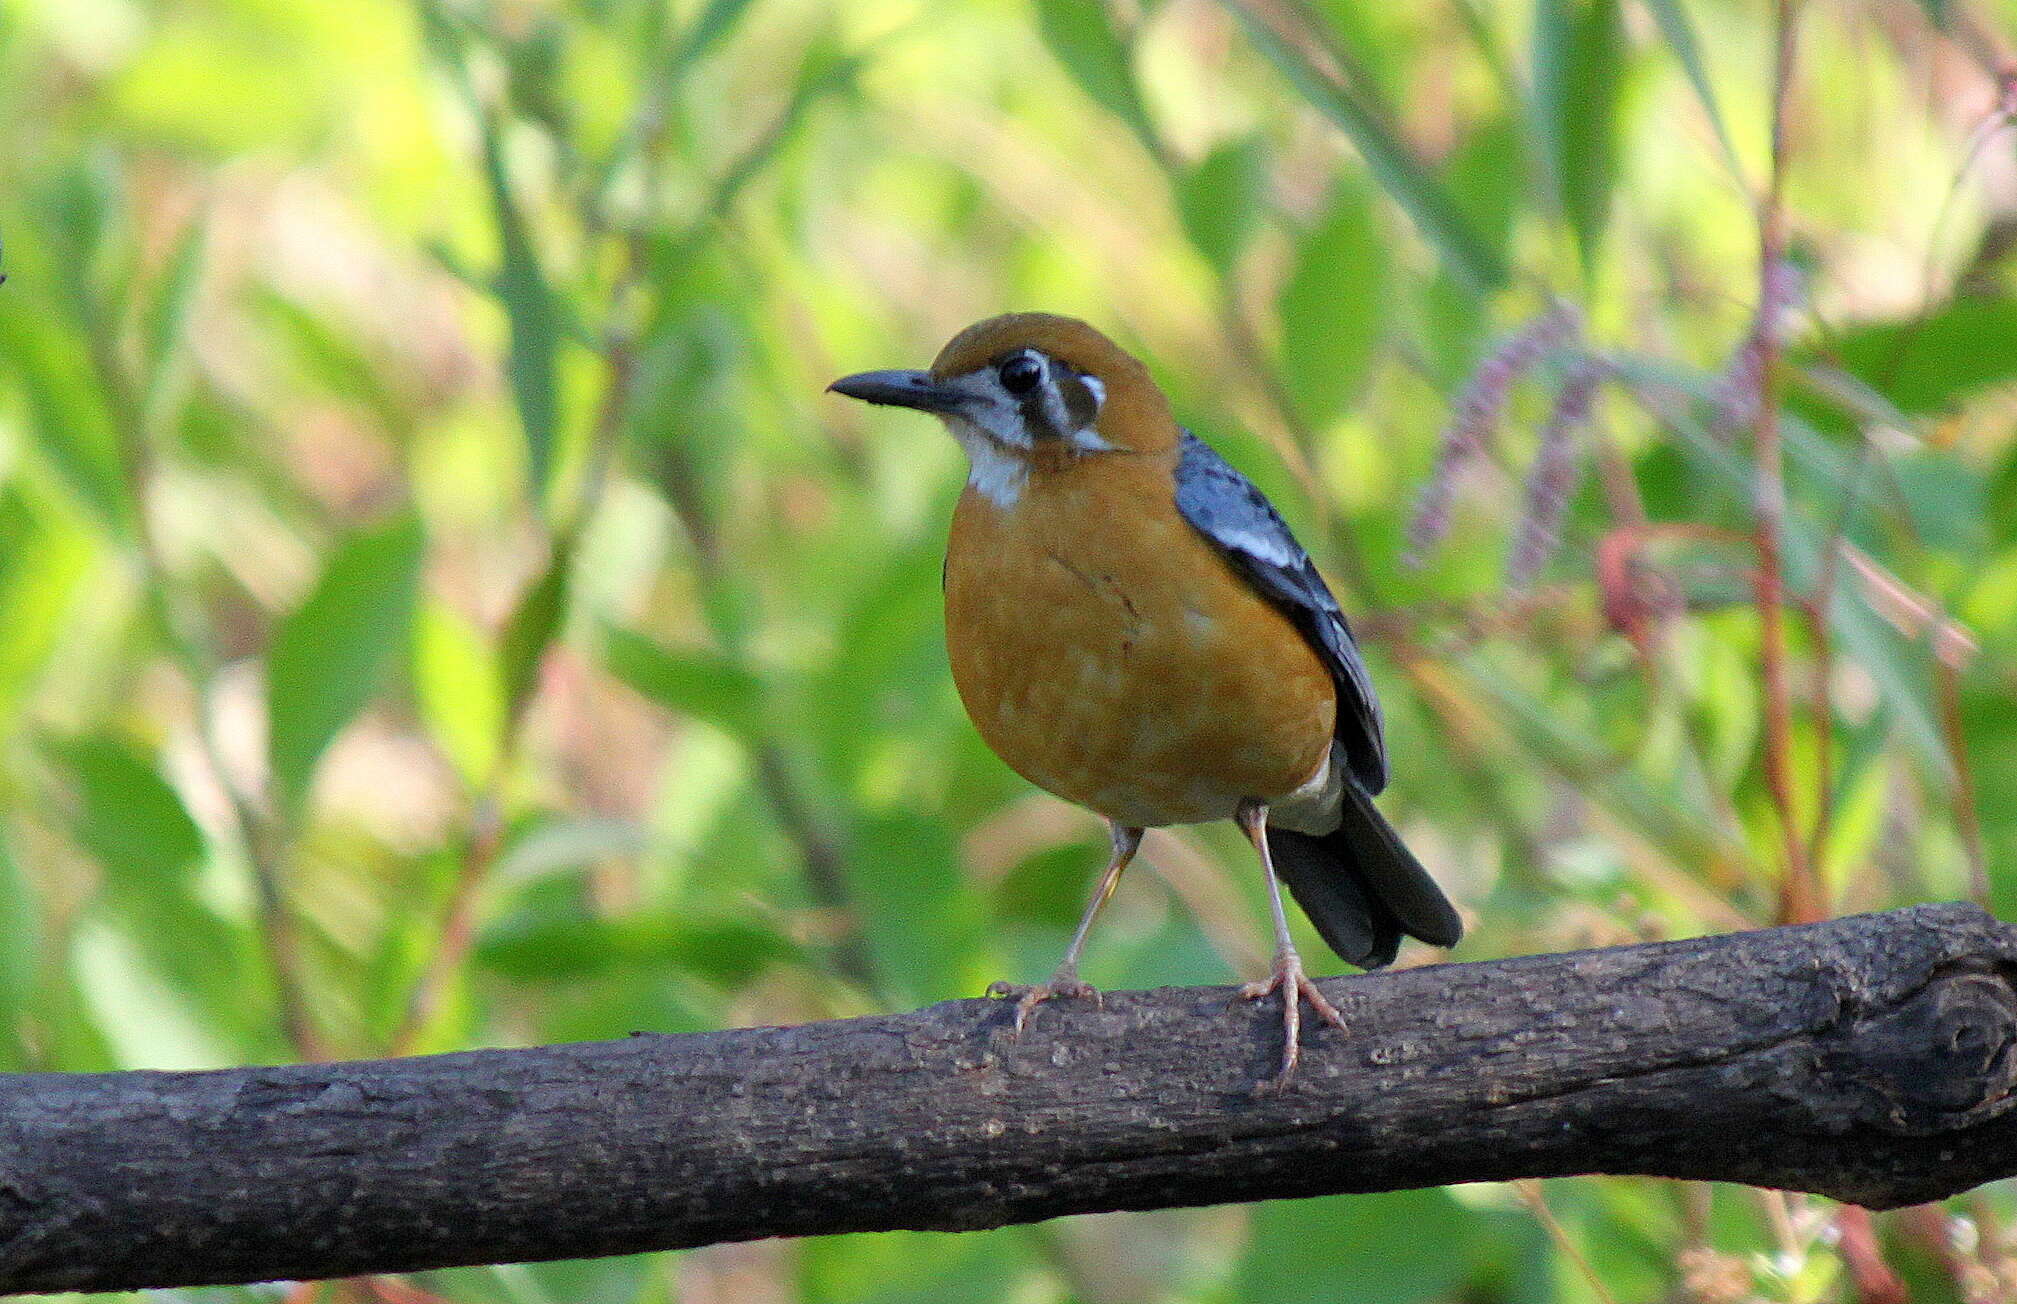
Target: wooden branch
1869 1059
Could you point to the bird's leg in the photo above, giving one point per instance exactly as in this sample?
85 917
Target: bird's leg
1065 980
1288 977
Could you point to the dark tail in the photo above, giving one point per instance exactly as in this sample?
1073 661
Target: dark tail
1362 887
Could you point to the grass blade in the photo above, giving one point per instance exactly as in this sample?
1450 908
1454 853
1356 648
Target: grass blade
1578 62
530 308
1392 162
1679 32
1080 33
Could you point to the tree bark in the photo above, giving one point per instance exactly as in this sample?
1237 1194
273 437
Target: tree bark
1869 1059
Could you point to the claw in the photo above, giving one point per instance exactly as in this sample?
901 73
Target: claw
1027 997
1295 986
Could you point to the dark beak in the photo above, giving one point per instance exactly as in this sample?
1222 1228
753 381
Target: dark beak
911 389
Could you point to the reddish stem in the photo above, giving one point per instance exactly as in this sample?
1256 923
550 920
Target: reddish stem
1864 1256
1968 818
1799 894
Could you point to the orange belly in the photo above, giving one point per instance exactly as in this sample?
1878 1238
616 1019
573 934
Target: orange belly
1110 656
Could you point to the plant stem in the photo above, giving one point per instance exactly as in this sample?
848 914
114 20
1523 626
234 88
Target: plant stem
1799 892
1529 1191
1967 817
261 837
485 840
825 862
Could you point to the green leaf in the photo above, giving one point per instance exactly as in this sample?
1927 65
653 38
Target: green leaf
1674 820
1396 1248
1683 398
460 690
126 816
72 429
704 685
530 631
1947 500
678 56
826 70
532 310
136 1003
1901 667
707 30
330 655
542 943
1081 34
85 207
1926 365
44 559
1356 111
1900 679
1487 179
134 825
1332 305
167 325
1578 71
330 355
559 845
21 925
1221 199
1046 887
985 1267
1990 727
2000 502
922 921
891 635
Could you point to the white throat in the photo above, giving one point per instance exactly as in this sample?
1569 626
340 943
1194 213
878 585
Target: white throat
995 473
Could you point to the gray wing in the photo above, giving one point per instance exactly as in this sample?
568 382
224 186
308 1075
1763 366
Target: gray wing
1242 524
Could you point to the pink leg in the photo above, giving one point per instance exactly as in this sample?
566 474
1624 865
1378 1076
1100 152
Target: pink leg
1065 981
1288 977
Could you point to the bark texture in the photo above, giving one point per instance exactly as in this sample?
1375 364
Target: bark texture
1869 1059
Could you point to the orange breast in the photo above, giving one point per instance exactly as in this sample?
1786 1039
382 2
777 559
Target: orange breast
1110 656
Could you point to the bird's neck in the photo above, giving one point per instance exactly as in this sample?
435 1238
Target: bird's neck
995 471
1001 472
1003 480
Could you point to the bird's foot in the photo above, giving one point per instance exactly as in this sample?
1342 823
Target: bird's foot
1065 982
1295 987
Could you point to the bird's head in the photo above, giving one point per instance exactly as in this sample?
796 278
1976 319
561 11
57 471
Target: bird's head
1031 389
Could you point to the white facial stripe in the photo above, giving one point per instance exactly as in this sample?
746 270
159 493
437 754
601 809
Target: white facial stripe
996 473
991 428
1054 405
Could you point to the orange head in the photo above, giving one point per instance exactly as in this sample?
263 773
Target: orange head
1029 389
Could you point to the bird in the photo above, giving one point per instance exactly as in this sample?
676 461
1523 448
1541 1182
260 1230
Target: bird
1132 627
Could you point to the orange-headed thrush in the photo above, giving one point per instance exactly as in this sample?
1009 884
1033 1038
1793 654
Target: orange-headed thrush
1133 628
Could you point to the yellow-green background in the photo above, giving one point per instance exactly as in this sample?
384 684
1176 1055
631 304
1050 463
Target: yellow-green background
420 518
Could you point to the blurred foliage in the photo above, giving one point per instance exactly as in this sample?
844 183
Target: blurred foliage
442 608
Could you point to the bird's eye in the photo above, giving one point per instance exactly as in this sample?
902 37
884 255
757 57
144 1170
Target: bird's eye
1020 374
